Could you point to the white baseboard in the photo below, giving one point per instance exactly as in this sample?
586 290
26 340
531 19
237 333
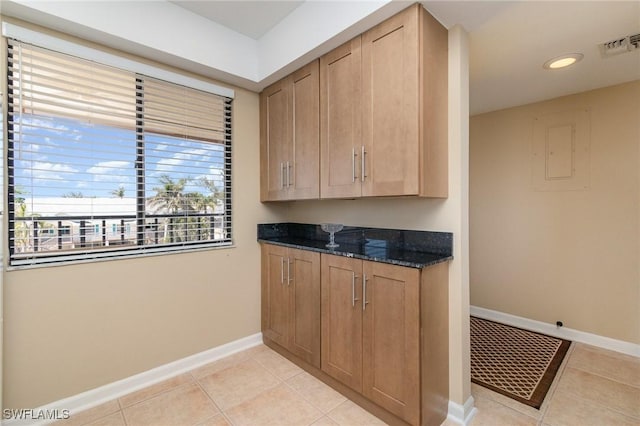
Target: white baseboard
97 396
462 414
555 331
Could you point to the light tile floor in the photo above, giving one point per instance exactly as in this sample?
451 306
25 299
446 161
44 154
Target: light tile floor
260 387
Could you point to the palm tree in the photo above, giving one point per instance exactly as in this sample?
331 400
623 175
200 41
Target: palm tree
170 198
211 200
118 192
197 203
215 194
21 229
73 194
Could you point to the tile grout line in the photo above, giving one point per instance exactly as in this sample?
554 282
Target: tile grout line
124 418
311 402
286 383
597 403
537 419
603 407
102 417
546 403
260 393
155 395
122 407
220 410
605 377
612 356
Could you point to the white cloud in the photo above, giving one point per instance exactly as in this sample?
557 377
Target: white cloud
168 164
50 125
49 171
112 171
193 154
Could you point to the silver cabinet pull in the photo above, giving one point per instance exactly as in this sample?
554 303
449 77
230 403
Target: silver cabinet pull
364 292
353 289
288 173
353 164
282 270
288 272
362 163
281 175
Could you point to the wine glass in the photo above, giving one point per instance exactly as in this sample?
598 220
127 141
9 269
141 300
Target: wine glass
331 228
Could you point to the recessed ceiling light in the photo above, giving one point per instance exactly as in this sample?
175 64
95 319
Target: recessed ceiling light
563 61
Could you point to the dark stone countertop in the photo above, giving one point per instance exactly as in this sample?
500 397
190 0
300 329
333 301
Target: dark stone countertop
414 249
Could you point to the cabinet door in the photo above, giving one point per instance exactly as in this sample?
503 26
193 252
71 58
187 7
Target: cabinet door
390 126
304 157
274 141
305 305
391 338
340 121
275 294
342 319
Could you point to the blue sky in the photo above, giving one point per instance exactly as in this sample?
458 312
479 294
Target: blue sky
57 156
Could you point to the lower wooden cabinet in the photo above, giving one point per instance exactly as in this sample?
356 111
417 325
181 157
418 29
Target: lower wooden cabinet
371 331
291 300
382 329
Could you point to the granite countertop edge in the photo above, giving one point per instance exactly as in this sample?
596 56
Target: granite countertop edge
435 258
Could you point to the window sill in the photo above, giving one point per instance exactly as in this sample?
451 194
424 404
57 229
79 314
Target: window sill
121 257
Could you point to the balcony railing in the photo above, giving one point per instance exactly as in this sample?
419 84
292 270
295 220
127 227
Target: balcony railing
38 234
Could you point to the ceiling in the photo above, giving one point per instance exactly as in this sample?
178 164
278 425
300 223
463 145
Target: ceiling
509 42
253 43
251 18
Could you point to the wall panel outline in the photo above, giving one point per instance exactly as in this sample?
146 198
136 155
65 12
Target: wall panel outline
560 151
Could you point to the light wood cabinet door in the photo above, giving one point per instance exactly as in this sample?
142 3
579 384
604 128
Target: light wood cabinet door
341 121
274 141
275 295
304 286
291 300
390 107
391 338
304 156
342 319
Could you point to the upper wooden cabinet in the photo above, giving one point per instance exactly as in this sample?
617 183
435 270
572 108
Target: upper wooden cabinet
381 121
341 121
289 137
394 77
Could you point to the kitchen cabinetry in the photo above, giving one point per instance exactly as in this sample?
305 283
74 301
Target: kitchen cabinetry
377 332
371 331
381 103
289 127
383 111
291 300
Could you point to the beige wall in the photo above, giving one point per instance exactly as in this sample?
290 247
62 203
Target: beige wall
68 329
572 256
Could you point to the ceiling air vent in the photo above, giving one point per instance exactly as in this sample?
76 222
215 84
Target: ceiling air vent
620 45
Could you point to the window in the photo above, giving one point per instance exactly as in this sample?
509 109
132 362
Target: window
93 148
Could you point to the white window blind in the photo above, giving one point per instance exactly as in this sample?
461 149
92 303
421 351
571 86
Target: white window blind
106 162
